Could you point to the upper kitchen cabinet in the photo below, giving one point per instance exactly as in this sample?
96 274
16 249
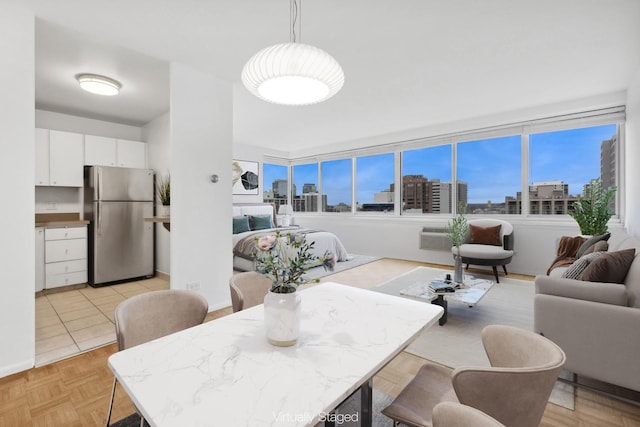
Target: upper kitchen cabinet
59 158
132 154
100 151
104 151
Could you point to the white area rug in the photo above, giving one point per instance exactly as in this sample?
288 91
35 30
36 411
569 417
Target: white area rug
459 343
354 261
348 413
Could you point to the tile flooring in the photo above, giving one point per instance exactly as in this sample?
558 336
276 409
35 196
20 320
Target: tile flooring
74 321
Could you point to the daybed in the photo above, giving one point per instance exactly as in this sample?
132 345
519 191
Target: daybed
596 322
257 220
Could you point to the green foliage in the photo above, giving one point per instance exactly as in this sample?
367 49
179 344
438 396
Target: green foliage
163 187
592 212
457 228
285 259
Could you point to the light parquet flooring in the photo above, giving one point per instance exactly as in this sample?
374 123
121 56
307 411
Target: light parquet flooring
75 391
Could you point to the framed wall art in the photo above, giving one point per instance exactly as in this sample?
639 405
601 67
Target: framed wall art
245 177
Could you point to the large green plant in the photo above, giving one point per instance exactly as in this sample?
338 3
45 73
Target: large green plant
592 211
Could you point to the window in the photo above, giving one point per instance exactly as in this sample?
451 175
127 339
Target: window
563 163
374 183
275 184
489 174
336 185
426 180
304 192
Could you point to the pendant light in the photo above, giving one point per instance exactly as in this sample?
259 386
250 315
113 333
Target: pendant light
293 73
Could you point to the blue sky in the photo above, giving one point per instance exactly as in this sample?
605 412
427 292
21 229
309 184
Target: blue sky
491 167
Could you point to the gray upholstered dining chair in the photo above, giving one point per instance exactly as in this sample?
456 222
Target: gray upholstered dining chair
514 389
152 315
489 242
451 414
248 289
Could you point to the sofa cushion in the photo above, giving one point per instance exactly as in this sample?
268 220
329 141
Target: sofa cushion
590 242
611 267
485 235
601 246
577 268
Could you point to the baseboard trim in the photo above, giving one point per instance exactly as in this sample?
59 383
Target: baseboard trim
163 275
602 391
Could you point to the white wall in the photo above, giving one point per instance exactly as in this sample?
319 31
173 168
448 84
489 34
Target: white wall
69 123
17 275
157 133
632 171
201 145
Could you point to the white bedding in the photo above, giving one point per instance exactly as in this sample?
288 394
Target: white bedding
324 242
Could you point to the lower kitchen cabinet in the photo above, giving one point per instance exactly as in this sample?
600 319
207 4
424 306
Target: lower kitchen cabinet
40 275
65 256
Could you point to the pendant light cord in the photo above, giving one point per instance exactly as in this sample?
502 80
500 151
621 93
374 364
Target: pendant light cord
295 18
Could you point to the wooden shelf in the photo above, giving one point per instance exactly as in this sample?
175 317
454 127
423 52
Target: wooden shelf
165 220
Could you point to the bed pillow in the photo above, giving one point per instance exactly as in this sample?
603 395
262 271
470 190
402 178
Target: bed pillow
611 267
260 222
485 235
240 224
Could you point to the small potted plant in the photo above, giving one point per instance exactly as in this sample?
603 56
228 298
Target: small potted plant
285 259
163 188
592 211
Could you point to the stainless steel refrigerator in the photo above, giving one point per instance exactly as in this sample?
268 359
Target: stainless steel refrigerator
116 201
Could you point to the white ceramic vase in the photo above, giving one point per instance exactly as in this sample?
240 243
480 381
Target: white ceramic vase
282 318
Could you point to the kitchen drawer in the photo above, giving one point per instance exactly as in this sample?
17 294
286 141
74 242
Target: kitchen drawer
65 233
65 267
65 250
57 280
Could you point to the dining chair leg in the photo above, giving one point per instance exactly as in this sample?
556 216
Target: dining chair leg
113 393
141 421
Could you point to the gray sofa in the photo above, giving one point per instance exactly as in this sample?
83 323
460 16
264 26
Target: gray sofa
596 324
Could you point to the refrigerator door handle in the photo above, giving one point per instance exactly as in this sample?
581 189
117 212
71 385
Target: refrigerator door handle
99 183
98 217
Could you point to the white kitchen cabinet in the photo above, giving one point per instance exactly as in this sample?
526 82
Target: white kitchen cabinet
100 151
65 256
104 151
59 158
40 269
66 159
132 154
42 156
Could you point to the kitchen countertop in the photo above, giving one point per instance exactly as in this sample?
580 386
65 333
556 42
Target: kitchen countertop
56 220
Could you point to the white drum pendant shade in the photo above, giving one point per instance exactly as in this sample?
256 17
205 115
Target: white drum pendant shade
293 74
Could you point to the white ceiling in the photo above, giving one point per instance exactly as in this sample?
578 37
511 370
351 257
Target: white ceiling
407 63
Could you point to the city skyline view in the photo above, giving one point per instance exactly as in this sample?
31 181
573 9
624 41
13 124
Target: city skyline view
490 167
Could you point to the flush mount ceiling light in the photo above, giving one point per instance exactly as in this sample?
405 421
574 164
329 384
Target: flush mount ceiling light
293 73
99 85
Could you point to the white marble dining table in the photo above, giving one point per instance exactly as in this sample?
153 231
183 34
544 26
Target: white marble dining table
225 373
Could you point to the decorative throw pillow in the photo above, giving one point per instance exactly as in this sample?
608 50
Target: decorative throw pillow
591 241
611 267
240 224
601 246
260 222
485 235
579 265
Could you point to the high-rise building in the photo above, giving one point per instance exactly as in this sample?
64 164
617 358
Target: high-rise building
608 153
309 188
279 187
